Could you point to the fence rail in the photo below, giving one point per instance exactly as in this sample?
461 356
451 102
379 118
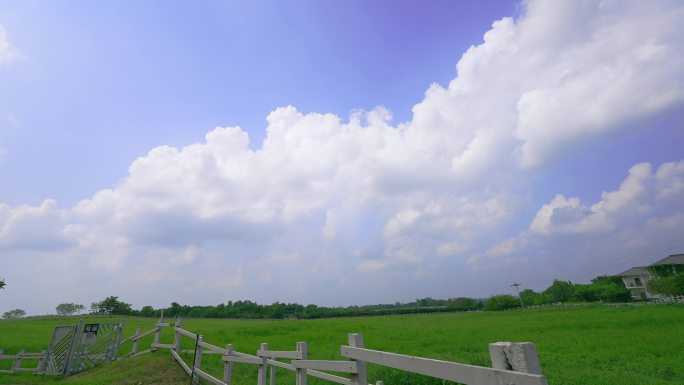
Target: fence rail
19 358
513 363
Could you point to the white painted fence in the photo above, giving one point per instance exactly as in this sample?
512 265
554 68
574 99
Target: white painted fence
512 363
671 299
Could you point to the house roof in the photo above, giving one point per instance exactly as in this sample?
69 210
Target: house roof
674 259
641 270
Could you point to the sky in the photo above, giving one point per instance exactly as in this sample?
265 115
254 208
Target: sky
334 153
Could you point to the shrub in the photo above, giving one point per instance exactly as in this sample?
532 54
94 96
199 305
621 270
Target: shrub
502 302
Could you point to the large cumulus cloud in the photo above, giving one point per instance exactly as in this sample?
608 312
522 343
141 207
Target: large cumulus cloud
337 202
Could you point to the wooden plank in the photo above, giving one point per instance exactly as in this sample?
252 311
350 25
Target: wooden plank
240 354
282 365
452 371
243 360
181 362
293 355
329 377
185 332
335 366
163 346
141 353
26 369
209 377
212 348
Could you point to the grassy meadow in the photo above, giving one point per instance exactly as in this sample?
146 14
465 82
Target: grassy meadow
580 345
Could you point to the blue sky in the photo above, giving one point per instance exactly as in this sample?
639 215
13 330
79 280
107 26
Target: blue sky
403 149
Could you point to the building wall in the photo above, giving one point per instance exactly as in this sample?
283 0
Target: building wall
637 285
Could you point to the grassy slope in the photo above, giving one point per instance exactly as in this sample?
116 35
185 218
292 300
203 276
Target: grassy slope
589 345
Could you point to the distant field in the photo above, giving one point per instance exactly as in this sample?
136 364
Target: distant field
590 345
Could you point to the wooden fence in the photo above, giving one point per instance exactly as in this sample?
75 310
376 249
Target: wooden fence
19 358
512 363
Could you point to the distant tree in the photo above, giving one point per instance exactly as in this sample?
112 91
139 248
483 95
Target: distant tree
561 291
147 311
68 308
2 283
602 288
95 308
463 304
13 314
530 297
501 302
112 305
79 309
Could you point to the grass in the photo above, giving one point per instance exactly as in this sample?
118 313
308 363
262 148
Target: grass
585 345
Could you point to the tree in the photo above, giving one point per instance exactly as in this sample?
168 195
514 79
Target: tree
147 311
79 309
561 291
95 308
112 305
13 314
2 283
68 308
463 304
672 285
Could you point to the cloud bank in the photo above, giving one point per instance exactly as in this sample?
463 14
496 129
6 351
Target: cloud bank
329 209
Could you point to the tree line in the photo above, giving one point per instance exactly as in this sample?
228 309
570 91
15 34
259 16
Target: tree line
601 289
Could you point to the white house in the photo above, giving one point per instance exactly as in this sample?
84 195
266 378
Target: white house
636 278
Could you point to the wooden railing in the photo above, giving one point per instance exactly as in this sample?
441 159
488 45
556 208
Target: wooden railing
512 363
19 358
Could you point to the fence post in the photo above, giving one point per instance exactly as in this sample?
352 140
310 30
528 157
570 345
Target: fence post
302 349
197 364
177 338
359 378
228 366
157 334
136 341
516 356
42 363
117 340
17 361
261 379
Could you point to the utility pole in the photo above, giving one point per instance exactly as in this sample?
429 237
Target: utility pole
515 284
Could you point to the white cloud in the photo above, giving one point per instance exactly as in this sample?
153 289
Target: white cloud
636 197
34 227
369 196
644 213
7 53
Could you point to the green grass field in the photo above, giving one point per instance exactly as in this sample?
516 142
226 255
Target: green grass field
584 345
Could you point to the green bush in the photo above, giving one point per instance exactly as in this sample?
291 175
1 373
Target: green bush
502 302
672 285
463 304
